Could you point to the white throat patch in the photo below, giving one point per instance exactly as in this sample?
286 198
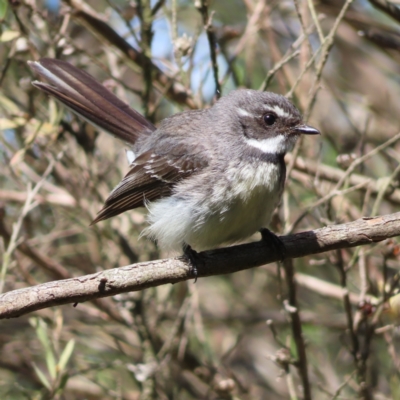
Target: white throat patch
277 145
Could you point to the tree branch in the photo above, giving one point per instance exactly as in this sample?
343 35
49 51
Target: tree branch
215 262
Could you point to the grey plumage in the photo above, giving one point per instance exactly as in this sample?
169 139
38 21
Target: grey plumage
208 176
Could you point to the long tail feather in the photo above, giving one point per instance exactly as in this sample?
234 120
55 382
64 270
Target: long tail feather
80 92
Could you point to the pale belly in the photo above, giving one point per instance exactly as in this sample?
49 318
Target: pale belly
236 209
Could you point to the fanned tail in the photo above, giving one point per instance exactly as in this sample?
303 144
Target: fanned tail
80 92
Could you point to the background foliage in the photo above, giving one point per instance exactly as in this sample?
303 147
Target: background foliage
224 337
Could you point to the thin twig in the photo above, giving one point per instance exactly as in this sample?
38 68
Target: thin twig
326 48
342 386
285 59
384 188
202 6
332 174
297 330
342 180
315 19
347 307
146 19
29 205
131 56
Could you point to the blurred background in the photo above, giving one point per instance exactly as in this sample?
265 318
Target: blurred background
225 337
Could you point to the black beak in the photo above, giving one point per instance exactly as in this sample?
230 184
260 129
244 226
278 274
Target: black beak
306 130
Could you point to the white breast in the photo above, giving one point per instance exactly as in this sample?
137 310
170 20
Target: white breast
241 203
245 207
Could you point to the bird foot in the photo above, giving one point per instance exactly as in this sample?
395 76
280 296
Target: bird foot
193 258
270 237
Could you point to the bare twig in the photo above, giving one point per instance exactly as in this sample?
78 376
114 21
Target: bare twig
202 6
277 67
327 289
61 199
132 56
315 19
146 19
297 331
342 180
347 307
326 48
29 205
332 174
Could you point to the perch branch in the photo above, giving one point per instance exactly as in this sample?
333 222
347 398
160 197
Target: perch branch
215 262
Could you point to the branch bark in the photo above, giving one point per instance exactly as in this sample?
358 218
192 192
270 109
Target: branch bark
215 262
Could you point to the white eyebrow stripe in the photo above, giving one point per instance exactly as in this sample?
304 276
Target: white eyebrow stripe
278 111
243 112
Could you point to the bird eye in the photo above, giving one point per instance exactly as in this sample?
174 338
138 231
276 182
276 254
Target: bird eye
269 119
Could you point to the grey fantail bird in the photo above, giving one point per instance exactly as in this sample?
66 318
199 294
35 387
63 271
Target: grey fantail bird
207 177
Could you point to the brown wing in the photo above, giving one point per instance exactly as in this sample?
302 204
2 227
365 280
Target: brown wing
151 177
80 92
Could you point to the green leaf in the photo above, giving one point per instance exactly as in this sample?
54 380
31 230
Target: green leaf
66 355
51 363
11 108
3 9
41 376
63 381
41 332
